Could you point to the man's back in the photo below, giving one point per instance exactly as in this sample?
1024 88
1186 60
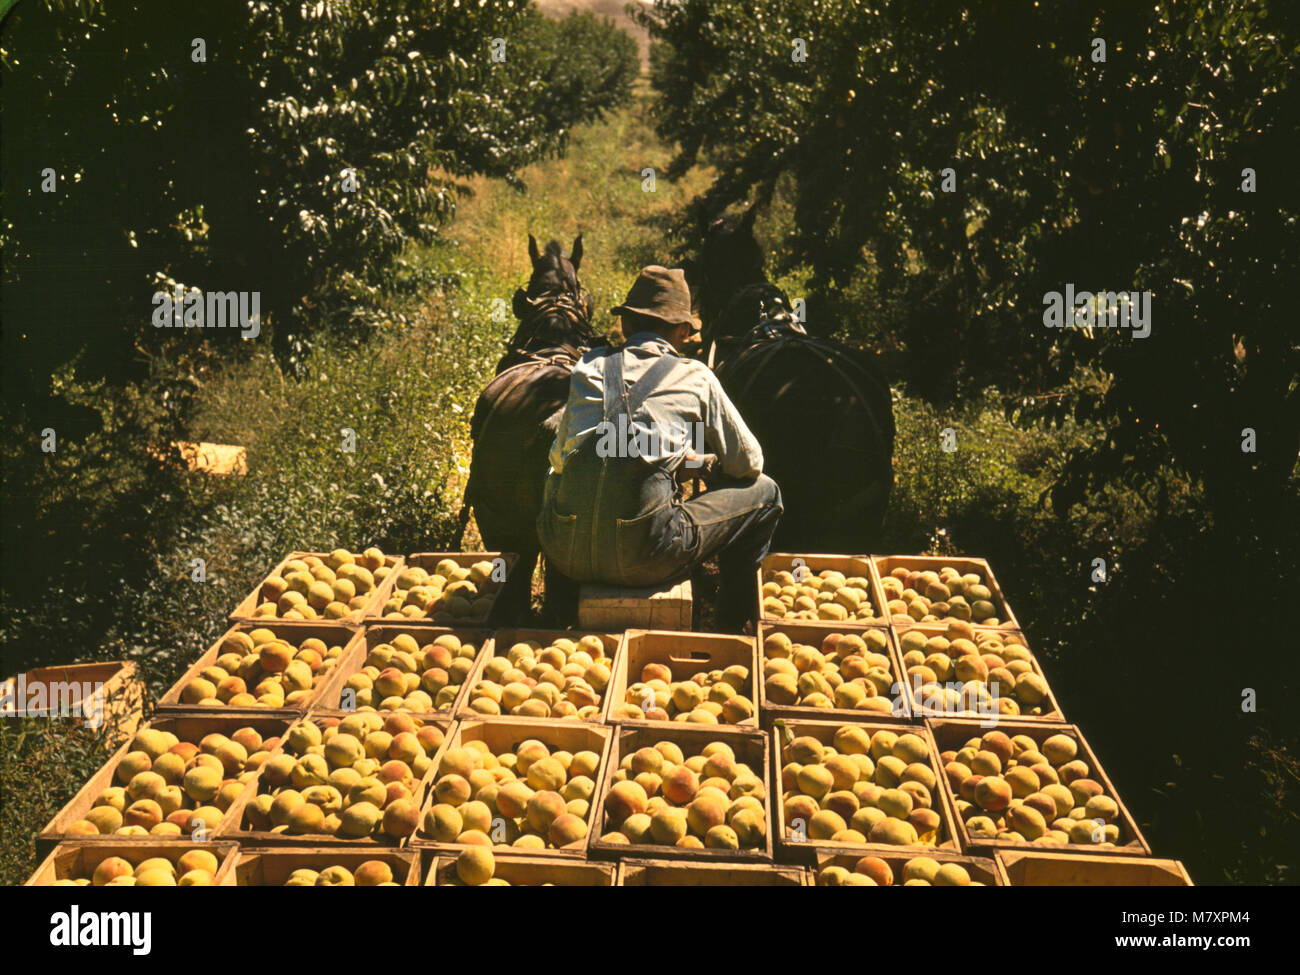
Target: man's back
685 411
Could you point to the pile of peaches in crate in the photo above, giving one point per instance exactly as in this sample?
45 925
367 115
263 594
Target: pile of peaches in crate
364 721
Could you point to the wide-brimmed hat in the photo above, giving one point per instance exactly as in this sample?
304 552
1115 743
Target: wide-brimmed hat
660 292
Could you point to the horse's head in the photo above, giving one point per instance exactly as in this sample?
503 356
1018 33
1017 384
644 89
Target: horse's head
553 273
729 259
554 310
757 311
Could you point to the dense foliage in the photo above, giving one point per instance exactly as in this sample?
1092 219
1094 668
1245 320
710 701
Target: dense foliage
1170 457
1117 175
292 150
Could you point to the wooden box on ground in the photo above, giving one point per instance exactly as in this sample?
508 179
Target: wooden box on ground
333 634
236 825
851 566
750 748
108 692
678 873
1051 709
520 870
506 734
981 869
813 634
884 565
1026 869
247 605
951 734
666 607
372 635
792 850
428 561
503 640
685 654
76 858
272 867
192 729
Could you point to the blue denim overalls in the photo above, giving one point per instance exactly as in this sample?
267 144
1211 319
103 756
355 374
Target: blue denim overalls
616 519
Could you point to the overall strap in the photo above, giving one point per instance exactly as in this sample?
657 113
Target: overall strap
647 383
620 400
615 397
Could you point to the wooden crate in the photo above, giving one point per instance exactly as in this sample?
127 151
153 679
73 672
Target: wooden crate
803 851
501 734
118 700
237 821
685 654
272 867
885 564
677 873
1026 869
953 734
333 634
986 871
427 561
503 640
75 857
813 634
186 728
372 635
212 458
850 565
527 871
670 606
1051 713
244 611
751 749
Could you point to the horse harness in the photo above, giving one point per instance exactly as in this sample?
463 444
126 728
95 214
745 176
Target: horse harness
573 308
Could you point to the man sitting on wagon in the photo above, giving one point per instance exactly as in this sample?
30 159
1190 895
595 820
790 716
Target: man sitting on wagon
640 419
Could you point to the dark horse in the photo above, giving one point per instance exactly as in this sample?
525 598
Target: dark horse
518 413
821 410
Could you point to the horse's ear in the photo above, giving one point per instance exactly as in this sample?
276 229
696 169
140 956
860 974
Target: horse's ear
575 255
534 254
520 303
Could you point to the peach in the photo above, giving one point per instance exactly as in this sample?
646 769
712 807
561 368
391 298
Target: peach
625 799
275 656
111 868
565 829
877 869
704 813
543 809
401 818
372 873
143 812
